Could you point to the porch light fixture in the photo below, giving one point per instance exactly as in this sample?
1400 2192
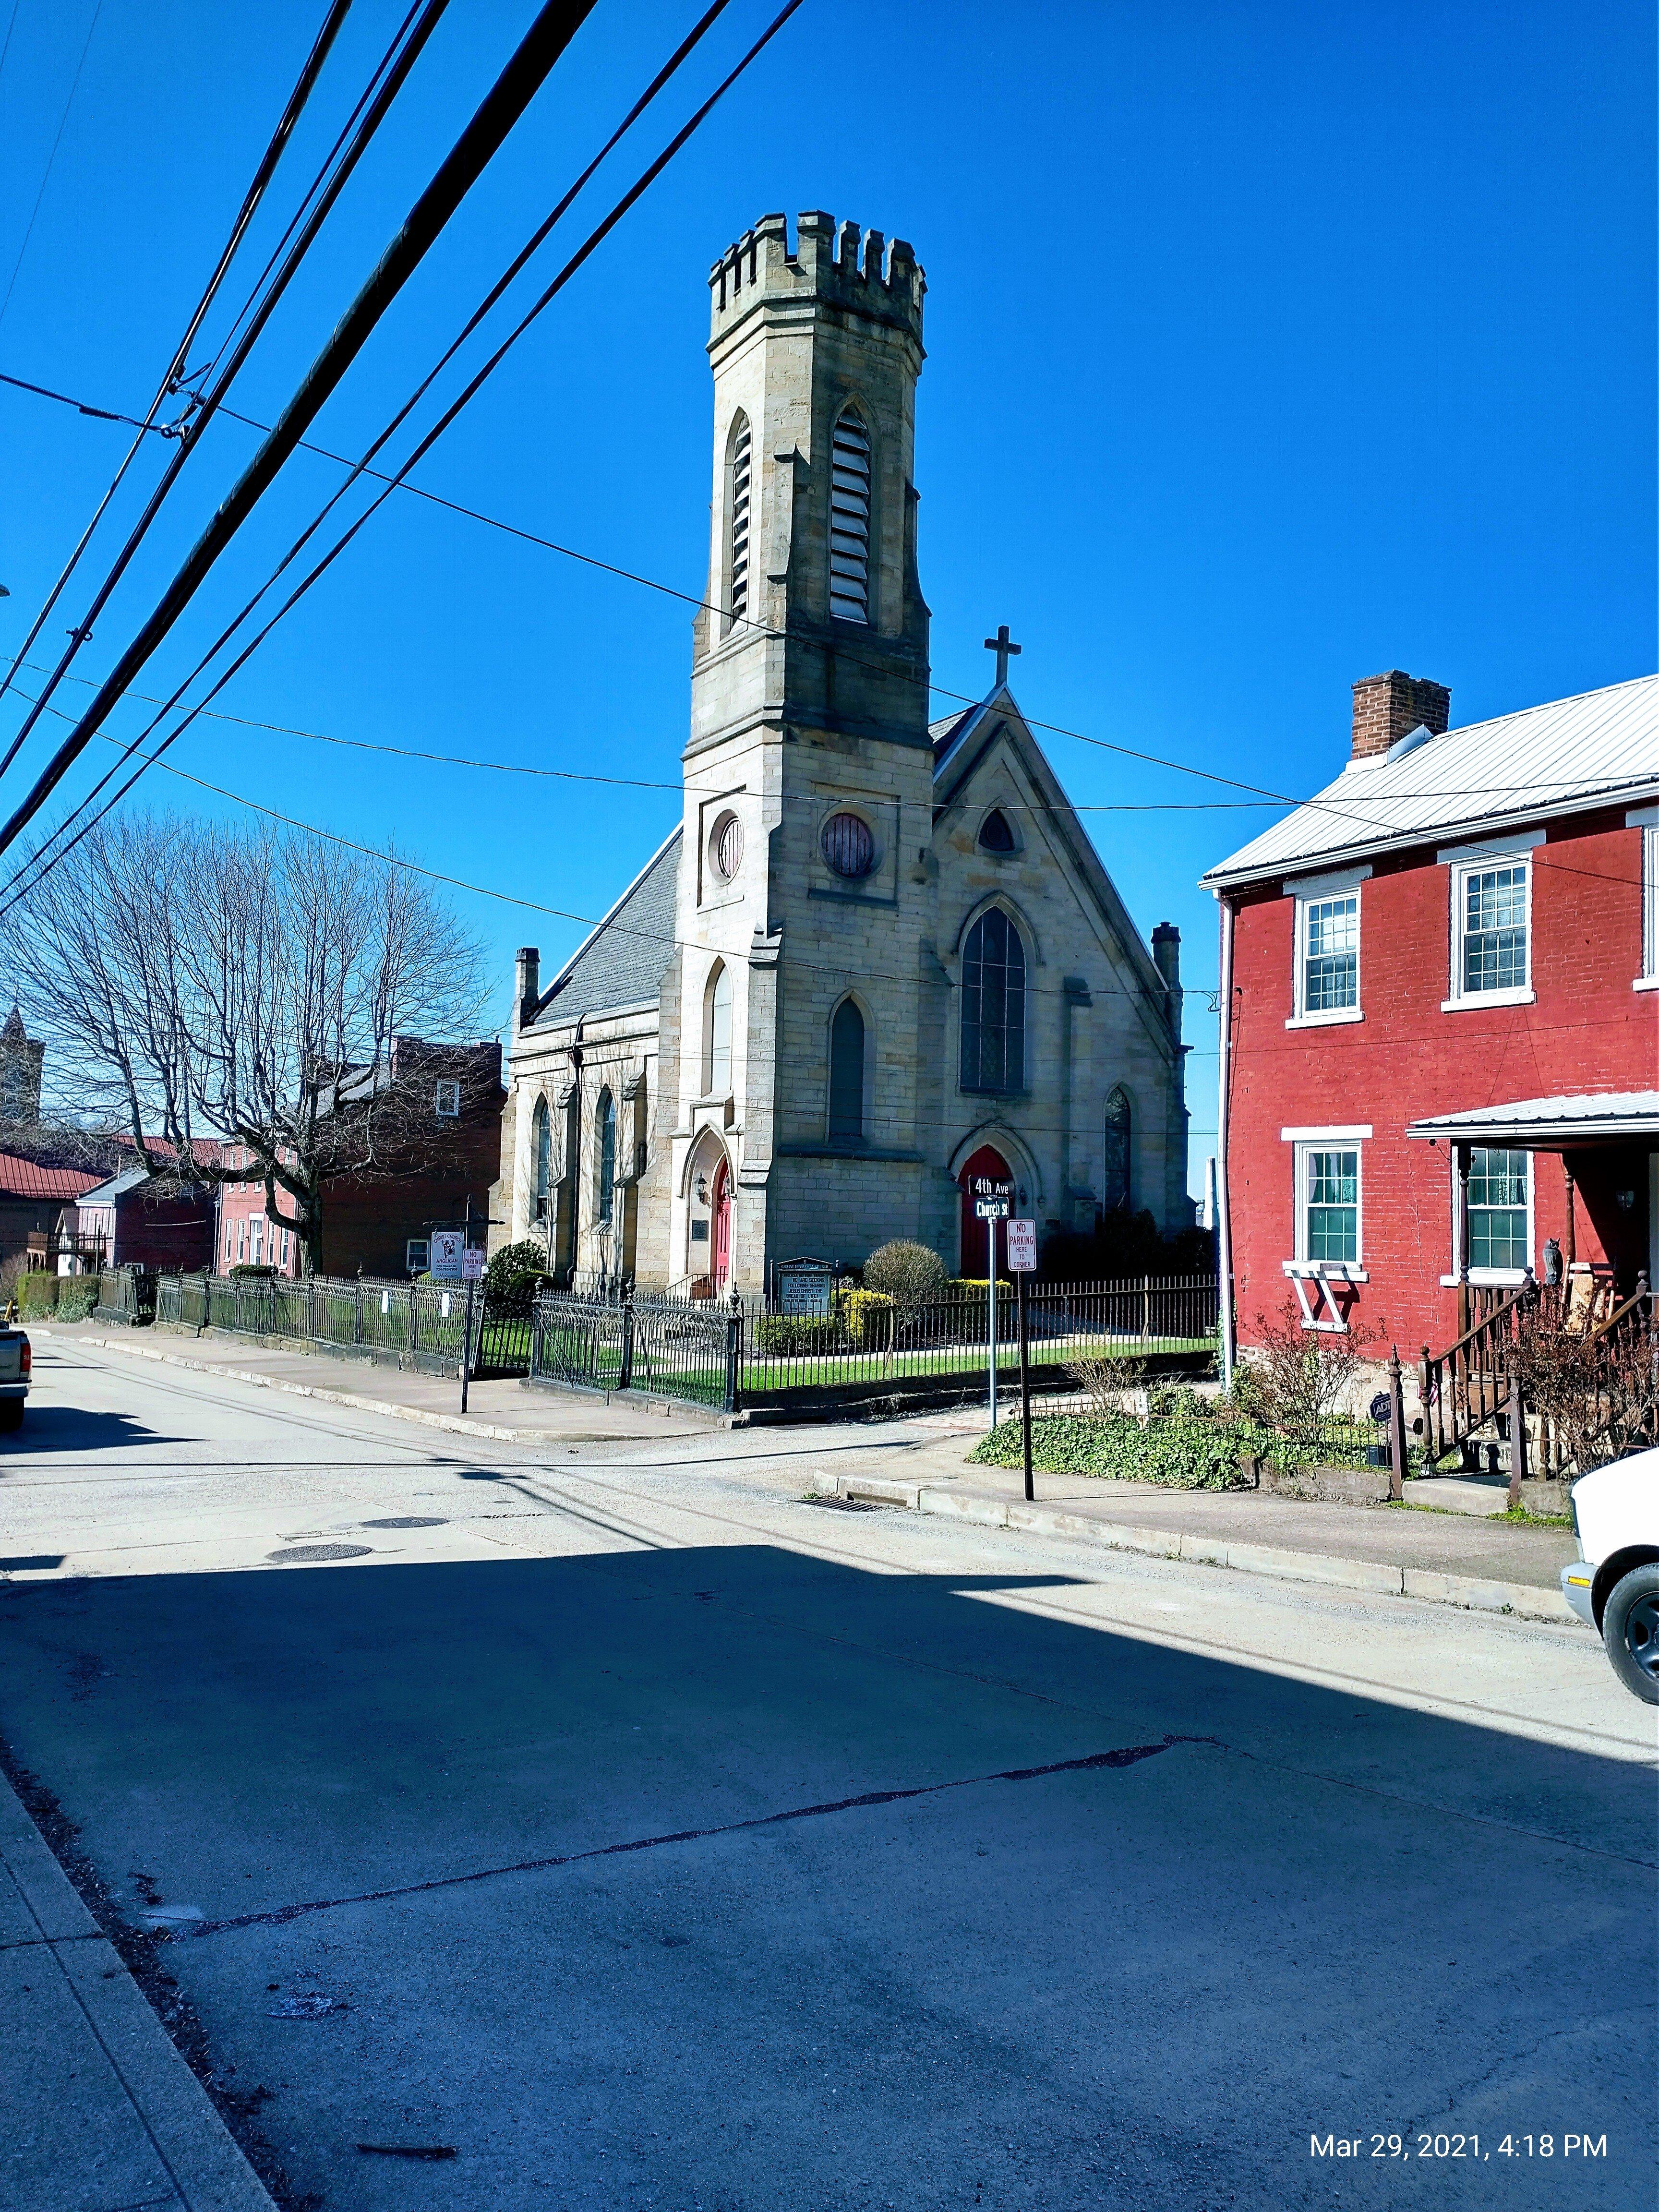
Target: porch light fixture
703 1190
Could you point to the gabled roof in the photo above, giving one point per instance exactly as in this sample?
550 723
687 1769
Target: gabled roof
23 1179
1565 757
962 741
623 962
114 1187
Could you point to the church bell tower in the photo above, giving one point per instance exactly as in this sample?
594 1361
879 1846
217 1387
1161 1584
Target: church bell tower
808 769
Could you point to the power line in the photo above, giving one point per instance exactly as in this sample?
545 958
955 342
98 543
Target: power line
522 78
406 45
113 686
251 199
711 606
75 86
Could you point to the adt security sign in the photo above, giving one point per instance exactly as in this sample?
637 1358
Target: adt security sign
448 1246
1022 1247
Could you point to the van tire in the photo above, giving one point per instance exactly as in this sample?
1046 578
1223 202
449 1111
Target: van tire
1630 1629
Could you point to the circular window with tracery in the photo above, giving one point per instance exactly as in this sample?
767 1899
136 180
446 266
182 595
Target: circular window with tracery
725 847
848 846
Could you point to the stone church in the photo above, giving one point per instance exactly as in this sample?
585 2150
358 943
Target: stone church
876 956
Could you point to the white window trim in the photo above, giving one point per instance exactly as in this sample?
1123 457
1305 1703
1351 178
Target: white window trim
1352 1133
1501 1278
1483 852
1465 862
1303 1267
1313 890
1646 819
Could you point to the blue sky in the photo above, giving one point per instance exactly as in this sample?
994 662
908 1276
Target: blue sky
1268 347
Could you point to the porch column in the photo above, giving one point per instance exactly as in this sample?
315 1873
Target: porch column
1572 1230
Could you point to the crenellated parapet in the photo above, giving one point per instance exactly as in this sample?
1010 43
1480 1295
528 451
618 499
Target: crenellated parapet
836 263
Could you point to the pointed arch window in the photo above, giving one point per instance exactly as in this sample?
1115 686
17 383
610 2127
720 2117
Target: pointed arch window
993 1005
1115 1178
736 528
717 1033
849 518
541 1153
607 1150
847 1050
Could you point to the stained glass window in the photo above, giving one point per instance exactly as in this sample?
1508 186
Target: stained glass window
993 1005
847 1074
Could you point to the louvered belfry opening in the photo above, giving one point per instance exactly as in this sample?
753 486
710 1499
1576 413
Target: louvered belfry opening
737 593
849 521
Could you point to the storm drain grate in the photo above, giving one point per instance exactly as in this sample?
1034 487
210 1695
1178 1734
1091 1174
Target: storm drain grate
296 1552
409 1520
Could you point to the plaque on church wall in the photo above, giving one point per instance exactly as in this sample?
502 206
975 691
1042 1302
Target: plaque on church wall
804 1286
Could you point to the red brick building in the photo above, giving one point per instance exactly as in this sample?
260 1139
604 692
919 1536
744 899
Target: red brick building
1440 1031
381 1223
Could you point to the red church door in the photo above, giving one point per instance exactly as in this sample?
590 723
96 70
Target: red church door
719 1205
975 1245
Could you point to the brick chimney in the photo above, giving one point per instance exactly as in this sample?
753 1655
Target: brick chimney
1166 952
1389 707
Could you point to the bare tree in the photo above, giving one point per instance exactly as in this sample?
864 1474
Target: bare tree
279 994
1299 1379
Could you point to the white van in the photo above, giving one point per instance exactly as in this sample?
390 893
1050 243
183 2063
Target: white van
1614 1584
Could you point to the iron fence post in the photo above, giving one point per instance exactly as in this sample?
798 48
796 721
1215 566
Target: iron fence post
733 1352
625 1368
1397 1429
357 1312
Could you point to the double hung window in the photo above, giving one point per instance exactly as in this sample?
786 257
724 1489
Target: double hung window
1648 978
1491 930
1325 982
1328 1204
1500 1214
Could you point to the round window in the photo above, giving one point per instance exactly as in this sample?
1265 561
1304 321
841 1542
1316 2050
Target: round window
725 847
848 847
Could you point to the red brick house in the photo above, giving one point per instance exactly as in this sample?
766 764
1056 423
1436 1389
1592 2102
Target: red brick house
381 1223
1440 1016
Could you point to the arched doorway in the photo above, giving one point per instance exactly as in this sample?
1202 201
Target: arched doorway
719 1207
976 1240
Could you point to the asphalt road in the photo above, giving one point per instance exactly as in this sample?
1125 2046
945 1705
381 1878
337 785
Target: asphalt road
649 1836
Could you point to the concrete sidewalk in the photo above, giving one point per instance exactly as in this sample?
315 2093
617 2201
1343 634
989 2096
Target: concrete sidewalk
1458 1559
99 2112
499 1411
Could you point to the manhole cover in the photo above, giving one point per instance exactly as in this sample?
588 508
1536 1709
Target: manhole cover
319 1552
409 1520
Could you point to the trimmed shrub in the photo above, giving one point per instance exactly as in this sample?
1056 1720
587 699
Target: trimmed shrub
907 1273
869 1316
792 1335
512 1263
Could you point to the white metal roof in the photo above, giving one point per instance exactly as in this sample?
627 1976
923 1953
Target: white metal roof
1556 759
1595 1114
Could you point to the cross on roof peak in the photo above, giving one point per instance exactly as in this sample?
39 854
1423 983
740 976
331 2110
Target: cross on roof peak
1003 646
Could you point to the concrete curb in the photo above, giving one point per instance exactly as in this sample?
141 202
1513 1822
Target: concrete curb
454 1423
1473 1594
140 2064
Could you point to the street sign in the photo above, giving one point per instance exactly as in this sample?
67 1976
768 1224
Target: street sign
987 1187
472 1264
991 1209
1022 1247
448 1246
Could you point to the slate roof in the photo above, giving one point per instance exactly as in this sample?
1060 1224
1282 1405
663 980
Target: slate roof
1594 1114
1561 759
624 960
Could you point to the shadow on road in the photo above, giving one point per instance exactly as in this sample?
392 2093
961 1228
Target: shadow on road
737 1876
49 1428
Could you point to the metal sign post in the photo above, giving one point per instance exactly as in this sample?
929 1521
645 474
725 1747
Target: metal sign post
1022 1259
991 1205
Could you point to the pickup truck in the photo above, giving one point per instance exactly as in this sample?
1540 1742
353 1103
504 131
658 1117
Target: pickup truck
1614 1583
15 1356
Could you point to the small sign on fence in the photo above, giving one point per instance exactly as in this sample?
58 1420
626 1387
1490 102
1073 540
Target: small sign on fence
1022 1247
448 1246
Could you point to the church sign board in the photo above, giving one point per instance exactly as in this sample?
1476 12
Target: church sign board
804 1286
448 1246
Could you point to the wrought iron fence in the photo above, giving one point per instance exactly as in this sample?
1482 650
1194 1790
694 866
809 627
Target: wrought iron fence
862 1339
125 1295
423 1322
670 1347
